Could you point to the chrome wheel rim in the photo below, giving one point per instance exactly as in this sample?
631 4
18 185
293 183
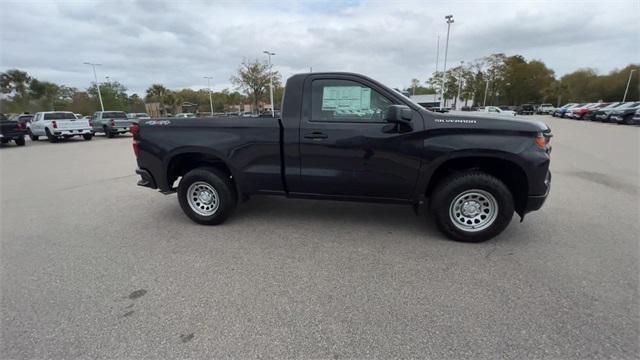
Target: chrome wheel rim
473 210
203 198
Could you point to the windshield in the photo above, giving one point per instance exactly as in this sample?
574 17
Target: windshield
59 116
114 115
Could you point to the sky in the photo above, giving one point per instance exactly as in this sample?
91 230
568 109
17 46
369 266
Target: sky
177 43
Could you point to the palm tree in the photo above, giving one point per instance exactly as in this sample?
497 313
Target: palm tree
157 93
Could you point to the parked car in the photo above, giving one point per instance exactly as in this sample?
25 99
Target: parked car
373 145
563 111
624 115
580 112
605 115
185 115
526 109
139 116
636 117
592 112
545 109
12 130
556 112
110 123
498 111
56 125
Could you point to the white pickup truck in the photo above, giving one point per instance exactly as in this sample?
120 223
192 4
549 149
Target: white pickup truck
494 110
57 125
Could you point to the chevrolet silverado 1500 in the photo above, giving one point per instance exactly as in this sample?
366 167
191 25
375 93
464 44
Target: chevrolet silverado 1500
344 136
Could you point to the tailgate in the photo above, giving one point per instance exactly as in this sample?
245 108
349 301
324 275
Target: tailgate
121 123
71 124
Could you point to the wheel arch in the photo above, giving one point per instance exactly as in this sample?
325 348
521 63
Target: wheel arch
502 166
184 160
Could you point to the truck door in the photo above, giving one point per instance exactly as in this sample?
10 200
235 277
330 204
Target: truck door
346 147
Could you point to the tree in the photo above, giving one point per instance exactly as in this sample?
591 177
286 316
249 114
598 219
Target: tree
15 84
114 95
252 77
157 93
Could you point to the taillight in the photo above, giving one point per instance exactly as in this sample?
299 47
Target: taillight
90 123
113 123
135 129
54 124
21 126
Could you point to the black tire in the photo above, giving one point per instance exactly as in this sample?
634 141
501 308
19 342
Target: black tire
20 141
33 137
88 136
220 183
448 190
50 136
107 132
4 141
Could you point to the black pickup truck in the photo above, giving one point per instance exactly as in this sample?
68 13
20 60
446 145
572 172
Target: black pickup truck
344 136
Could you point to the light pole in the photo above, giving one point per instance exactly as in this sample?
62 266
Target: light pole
269 53
486 89
627 89
459 84
437 55
209 78
97 85
446 51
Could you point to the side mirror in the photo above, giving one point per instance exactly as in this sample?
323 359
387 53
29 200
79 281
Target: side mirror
399 114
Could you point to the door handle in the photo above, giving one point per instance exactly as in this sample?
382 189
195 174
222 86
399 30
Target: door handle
316 135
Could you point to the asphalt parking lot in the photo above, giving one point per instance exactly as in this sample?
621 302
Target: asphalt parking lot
93 266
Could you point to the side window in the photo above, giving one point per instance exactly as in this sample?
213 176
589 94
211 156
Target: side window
346 101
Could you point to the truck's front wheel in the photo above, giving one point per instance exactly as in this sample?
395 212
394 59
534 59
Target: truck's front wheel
472 207
206 195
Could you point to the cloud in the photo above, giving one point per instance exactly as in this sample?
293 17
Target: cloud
177 43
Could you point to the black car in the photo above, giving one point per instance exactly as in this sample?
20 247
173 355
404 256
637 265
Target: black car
604 115
344 136
12 130
624 116
526 109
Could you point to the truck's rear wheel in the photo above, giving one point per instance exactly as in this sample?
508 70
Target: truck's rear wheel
52 138
472 207
206 195
31 136
20 141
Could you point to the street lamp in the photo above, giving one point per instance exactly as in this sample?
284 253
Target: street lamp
628 82
209 78
446 50
97 85
269 53
459 84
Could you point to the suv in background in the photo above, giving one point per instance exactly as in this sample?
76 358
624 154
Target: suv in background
545 109
111 123
526 109
58 124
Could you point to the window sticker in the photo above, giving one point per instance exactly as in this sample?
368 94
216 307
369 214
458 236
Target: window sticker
346 99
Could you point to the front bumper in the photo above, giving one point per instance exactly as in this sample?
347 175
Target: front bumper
535 202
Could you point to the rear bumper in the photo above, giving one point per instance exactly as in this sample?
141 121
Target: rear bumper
71 132
146 179
12 135
535 202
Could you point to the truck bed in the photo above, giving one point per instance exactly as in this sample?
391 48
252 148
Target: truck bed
251 146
